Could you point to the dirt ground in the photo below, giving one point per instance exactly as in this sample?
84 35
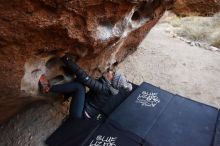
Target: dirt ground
161 60
176 66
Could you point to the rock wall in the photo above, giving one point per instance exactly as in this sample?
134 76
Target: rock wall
98 33
196 7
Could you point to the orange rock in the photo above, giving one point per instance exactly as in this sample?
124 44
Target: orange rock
196 7
99 33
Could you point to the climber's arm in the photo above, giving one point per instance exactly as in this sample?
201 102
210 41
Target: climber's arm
84 78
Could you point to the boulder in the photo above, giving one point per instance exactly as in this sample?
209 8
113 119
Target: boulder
196 7
99 33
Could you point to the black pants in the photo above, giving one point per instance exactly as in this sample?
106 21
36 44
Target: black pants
77 91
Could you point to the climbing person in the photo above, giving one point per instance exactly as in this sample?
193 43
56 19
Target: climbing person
104 95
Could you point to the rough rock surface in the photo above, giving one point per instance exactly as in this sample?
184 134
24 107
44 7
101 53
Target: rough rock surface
99 33
196 7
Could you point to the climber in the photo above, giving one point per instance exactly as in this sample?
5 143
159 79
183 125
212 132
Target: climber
103 96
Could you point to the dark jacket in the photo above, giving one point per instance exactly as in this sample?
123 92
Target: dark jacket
100 99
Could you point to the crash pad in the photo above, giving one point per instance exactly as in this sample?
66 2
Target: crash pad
216 141
166 119
81 132
109 134
72 132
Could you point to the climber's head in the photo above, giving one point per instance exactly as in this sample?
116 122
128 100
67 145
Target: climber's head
118 80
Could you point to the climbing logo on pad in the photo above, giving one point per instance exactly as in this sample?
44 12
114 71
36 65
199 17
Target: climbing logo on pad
103 141
149 99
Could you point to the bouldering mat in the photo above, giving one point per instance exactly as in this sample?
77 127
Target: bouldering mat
79 132
165 119
111 135
72 132
216 141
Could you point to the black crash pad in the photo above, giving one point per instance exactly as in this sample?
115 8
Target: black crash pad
109 134
75 132
217 132
72 132
165 119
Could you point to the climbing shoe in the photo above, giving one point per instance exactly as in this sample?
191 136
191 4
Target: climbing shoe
44 84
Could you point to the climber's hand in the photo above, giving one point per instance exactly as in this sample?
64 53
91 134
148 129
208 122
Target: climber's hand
67 60
44 84
70 63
